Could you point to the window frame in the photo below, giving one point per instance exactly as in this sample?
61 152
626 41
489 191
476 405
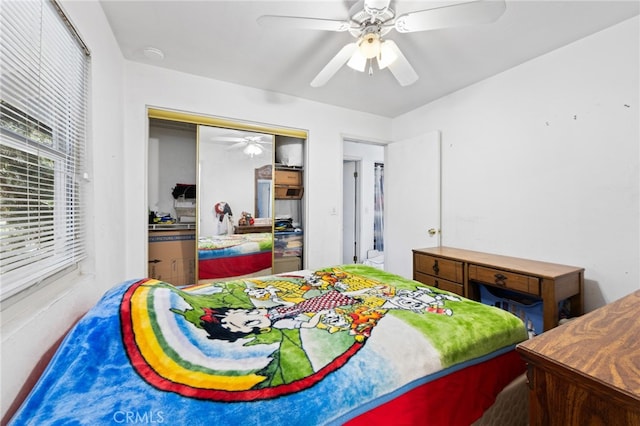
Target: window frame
51 126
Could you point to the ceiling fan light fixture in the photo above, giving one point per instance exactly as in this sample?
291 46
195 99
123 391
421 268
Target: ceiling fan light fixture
358 61
387 55
369 45
252 149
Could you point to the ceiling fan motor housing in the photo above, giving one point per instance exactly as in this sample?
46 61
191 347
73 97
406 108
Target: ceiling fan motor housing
364 16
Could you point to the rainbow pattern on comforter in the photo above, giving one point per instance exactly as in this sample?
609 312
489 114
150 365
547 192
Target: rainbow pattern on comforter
309 348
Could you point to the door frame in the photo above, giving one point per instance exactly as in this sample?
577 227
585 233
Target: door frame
371 152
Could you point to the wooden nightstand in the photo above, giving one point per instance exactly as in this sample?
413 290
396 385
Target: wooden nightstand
461 271
587 372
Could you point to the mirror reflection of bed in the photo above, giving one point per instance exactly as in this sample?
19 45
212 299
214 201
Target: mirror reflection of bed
235 237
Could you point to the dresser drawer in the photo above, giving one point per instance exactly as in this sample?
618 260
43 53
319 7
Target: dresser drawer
442 268
505 279
439 283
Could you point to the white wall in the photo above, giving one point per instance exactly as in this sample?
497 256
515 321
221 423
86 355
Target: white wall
541 161
33 323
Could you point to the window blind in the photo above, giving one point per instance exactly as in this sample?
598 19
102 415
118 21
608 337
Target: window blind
43 114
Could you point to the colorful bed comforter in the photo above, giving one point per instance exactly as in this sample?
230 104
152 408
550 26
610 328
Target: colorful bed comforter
310 348
234 244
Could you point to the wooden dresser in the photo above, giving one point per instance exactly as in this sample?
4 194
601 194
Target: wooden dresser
461 271
587 372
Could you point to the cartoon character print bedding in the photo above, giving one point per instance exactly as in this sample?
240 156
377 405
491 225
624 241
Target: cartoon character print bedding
307 348
293 330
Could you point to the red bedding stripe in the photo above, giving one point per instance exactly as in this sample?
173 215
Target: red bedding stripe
233 266
459 398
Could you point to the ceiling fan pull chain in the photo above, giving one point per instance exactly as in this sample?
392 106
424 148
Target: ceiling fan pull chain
370 67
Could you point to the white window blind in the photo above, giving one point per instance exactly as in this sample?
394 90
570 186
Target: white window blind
43 113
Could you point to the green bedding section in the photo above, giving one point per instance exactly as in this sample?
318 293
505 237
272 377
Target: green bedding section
473 329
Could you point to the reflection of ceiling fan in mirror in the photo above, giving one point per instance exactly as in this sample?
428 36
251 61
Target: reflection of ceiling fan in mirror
251 144
371 20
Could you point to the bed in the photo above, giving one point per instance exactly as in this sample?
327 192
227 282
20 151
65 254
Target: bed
349 344
235 255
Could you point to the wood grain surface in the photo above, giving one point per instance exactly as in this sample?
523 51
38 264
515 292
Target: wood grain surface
587 372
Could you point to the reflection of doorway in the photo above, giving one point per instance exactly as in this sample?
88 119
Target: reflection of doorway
350 211
358 198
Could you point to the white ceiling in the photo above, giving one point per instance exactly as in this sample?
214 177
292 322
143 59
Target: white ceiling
222 40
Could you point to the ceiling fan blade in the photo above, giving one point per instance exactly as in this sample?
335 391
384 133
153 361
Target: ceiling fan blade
457 15
264 139
401 68
237 145
334 65
274 21
227 139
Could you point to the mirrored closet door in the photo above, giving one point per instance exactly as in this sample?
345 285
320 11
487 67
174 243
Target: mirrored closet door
171 189
234 209
235 224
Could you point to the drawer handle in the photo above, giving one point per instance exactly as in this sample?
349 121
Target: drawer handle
500 280
436 268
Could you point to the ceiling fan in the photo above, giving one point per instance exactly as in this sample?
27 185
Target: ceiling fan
371 20
250 143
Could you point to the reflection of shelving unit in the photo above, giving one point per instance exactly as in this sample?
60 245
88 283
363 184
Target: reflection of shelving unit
288 186
288 183
185 209
286 264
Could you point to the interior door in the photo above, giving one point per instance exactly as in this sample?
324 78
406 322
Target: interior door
412 200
